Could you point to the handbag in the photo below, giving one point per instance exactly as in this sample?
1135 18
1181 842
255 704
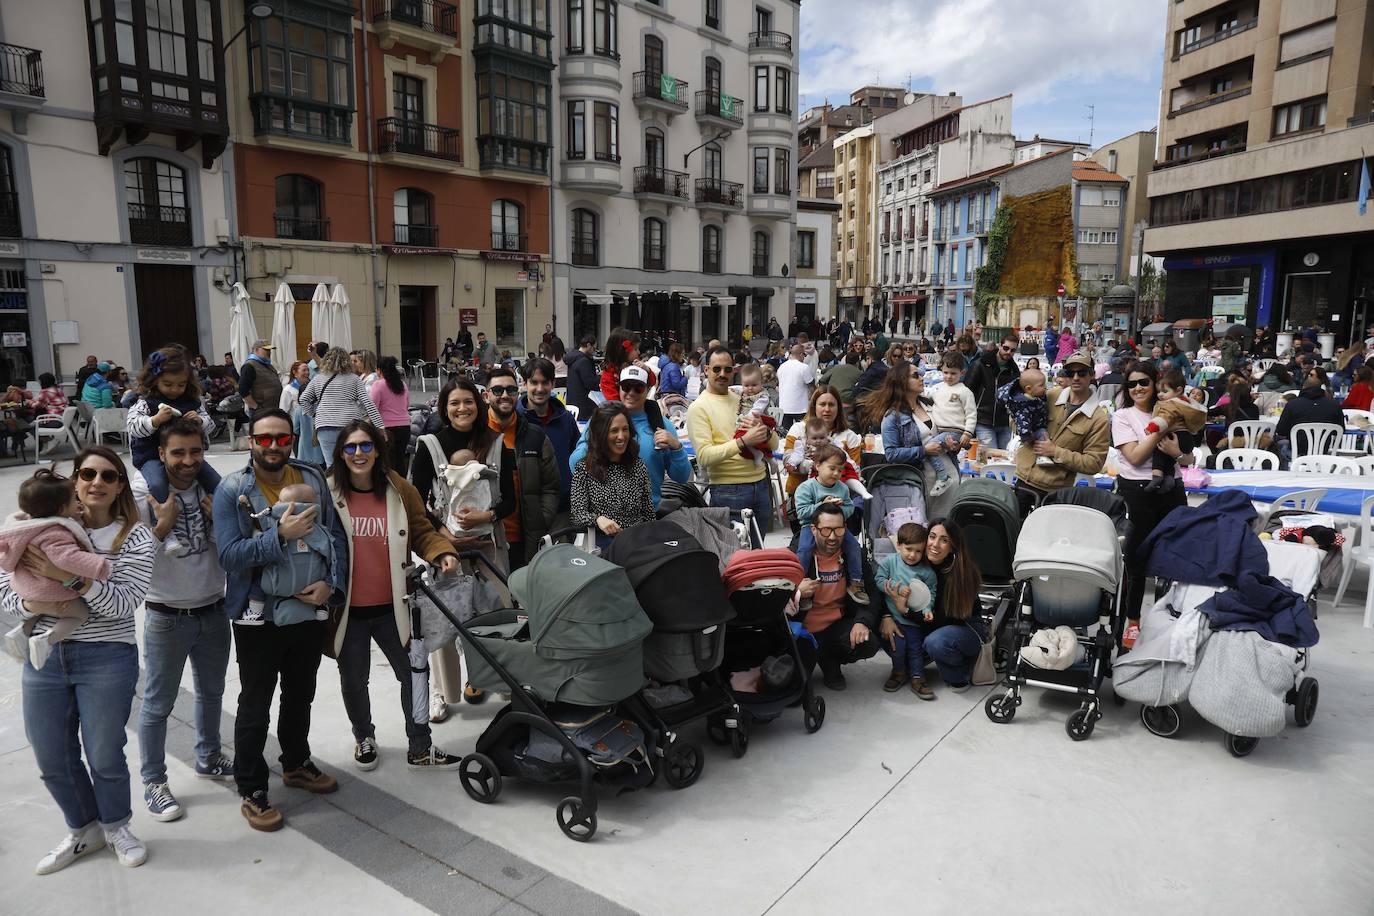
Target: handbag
985 666
331 632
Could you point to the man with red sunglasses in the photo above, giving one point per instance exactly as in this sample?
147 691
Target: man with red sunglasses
1079 433
248 540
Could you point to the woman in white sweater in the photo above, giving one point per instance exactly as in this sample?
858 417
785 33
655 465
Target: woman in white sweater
335 398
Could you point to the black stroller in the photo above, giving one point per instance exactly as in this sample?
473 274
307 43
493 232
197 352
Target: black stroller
987 512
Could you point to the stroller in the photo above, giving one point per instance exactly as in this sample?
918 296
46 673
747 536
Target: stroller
678 584
895 487
987 512
1068 568
761 584
568 658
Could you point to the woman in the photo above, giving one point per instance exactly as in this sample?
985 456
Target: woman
392 398
1145 507
1171 358
298 377
462 425
335 398
78 703
953 637
610 486
1277 378
1347 361
365 366
385 520
1033 363
672 379
51 398
1361 393
622 349
825 405
900 409
1237 404
201 367
1067 344
560 369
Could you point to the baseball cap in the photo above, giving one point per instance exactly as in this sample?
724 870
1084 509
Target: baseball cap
102 367
262 344
1081 357
634 374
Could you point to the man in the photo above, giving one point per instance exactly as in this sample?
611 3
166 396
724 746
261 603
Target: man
795 378
659 449
984 377
1312 405
737 482
259 384
906 326
872 377
843 376
1051 342
1079 434
267 652
464 343
537 482
843 628
774 330
844 332
538 406
230 367
487 355
84 373
582 377
185 619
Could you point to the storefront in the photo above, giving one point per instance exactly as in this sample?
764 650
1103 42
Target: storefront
16 346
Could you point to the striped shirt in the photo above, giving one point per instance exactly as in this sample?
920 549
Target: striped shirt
112 603
337 400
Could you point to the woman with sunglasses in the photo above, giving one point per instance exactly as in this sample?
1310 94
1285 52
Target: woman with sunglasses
78 703
901 410
385 520
336 397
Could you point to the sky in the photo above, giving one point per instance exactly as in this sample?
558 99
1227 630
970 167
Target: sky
1056 56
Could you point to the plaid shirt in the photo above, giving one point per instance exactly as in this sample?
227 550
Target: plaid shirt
51 400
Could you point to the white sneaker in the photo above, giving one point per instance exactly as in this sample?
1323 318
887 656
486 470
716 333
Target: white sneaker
74 846
128 849
941 485
39 650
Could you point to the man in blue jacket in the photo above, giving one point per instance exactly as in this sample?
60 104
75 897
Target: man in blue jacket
267 652
538 406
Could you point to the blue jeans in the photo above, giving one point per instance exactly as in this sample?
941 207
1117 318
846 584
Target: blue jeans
155 476
327 435
993 436
168 641
853 560
79 702
909 655
757 496
954 648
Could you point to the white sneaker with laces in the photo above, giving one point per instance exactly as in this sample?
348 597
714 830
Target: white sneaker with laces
74 846
128 849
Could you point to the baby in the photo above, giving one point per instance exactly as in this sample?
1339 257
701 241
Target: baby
1174 412
955 416
49 519
1029 408
753 404
306 562
804 456
909 584
469 487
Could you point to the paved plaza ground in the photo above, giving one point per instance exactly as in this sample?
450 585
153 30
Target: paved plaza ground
894 806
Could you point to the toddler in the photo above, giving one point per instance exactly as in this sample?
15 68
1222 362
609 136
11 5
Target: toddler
955 417
753 406
825 487
168 388
1029 408
804 456
49 519
469 487
909 584
1174 412
306 561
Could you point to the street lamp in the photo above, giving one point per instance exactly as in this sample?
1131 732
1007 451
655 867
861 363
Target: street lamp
723 135
255 12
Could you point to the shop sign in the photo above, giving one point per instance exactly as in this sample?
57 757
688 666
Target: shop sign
14 339
14 301
1230 306
467 317
416 249
805 297
9 247
510 256
161 254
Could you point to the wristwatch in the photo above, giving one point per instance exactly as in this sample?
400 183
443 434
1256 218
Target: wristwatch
75 583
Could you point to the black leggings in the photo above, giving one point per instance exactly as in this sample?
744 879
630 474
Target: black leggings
397 438
1146 509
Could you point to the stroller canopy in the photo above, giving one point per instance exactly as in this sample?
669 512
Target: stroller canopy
750 566
902 475
677 581
1072 542
579 606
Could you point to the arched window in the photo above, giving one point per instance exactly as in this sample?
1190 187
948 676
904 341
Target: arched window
710 249
413 216
156 194
713 82
762 245
300 208
714 169
653 59
9 197
654 149
506 232
586 238
654 255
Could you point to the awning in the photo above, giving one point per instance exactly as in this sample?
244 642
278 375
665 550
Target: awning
920 298
598 298
726 300
700 301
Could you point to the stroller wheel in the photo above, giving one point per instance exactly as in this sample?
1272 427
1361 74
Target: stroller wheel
1001 708
1081 724
739 739
480 778
576 822
1305 706
1240 746
1163 721
814 716
683 764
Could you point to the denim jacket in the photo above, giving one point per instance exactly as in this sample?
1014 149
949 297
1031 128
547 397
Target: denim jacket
902 439
244 551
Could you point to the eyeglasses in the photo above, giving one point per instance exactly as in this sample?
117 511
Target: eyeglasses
1075 373
499 391
830 532
1139 383
632 387
352 448
106 475
267 440
718 370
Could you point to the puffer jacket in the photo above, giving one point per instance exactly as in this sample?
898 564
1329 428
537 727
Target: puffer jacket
984 376
539 483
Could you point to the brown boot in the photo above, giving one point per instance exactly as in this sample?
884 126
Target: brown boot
921 689
308 777
894 681
259 813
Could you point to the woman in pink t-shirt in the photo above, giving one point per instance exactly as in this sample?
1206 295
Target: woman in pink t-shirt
392 397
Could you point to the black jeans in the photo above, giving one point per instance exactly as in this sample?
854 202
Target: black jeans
834 647
397 438
355 663
1146 509
265 653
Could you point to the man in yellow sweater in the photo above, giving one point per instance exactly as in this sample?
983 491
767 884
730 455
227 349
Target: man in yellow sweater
737 482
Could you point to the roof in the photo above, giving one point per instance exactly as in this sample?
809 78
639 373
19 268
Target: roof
820 157
1058 152
975 178
1035 140
1087 170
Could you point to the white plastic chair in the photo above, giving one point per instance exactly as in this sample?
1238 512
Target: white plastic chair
1004 471
52 429
1302 500
1357 444
1325 464
1365 464
1262 365
1251 430
110 421
1315 438
1360 553
1247 459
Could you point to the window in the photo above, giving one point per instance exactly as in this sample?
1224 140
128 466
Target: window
1109 236
653 58
407 97
506 232
301 74
710 249
806 250
9 197
653 244
586 243
1111 197
1089 236
1326 184
299 212
954 217
576 141
782 90
1089 196
1223 83
760 88
901 184
887 189
156 196
605 34
606 117
713 82
782 170
1111 160
521 25
1309 42
576 24
413 215
763 19
762 243
760 170
713 14
714 159
654 148
1186 37
884 273
512 115
510 319
925 178
1300 116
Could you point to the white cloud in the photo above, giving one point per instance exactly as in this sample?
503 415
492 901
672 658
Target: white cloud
979 48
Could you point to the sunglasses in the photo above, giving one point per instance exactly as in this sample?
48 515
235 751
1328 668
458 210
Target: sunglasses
106 475
830 532
352 448
500 391
1139 383
1075 373
632 387
718 370
267 440
1007 349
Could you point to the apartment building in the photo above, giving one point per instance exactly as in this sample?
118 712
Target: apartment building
1132 157
1265 119
1037 147
674 208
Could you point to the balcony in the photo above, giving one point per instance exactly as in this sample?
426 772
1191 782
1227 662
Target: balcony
652 183
415 234
660 92
654 257
770 41
508 241
715 194
923 278
157 225
277 116
710 262
584 252
941 233
716 109
760 269
1199 157
430 25
21 82
399 139
982 226
1215 37
9 215
302 228
1215 98
925 230
883 237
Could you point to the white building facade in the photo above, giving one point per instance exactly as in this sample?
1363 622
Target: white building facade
815 294
674 206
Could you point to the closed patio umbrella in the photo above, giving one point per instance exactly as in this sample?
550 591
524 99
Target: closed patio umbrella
341 320
243 330
321 315
283 327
